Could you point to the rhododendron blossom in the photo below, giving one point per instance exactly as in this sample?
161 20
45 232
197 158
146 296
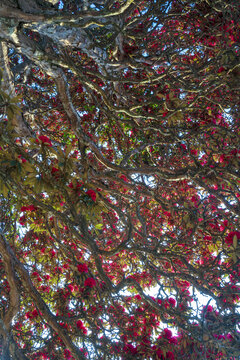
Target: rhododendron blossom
82 268
92 194
90 282
29 208
45 140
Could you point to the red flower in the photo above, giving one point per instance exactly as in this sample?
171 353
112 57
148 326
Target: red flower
54 171
209 308
123 177
22 220
129 348
170 355
45 140
53 253
229 238
22 159
81 326
82 268
79 89
67 354
35 313
172 301
29 208
167 333
183 146
173 340
71 288
159 353
221 69
90 282
45 288
75 185
91 193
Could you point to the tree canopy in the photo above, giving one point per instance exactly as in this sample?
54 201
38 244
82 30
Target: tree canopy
119 179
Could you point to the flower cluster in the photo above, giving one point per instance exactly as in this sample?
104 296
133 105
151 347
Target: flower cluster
91 193
80 326
90 282
82 268
29 208
44 140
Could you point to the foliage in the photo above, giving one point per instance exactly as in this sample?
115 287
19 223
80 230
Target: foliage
120 204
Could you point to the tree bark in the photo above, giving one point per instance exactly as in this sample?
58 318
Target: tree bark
7 85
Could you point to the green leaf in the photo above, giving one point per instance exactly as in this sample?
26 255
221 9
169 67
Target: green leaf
235 241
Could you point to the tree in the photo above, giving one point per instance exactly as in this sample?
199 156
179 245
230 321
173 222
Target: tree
119 179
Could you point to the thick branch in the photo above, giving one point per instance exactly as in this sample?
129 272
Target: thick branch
25 278
17 120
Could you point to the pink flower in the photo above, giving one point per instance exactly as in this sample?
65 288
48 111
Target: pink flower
229 337
90 282
82 268
91 193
